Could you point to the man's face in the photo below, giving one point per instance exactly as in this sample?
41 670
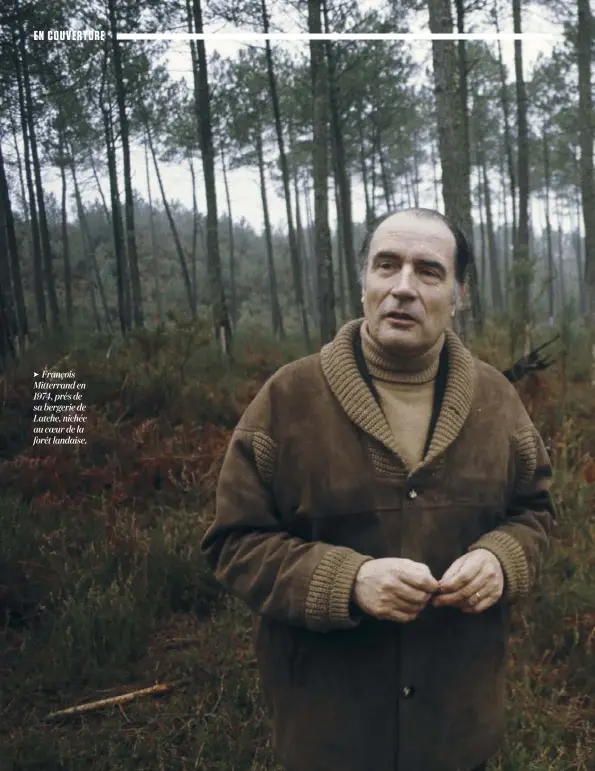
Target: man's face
409 282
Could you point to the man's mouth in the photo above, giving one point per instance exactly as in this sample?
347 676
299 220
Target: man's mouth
400 316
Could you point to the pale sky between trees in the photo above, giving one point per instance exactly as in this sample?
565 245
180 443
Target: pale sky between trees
244 190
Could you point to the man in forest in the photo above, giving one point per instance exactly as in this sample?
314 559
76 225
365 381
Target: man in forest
380 506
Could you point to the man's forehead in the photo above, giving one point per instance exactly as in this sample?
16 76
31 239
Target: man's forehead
406 230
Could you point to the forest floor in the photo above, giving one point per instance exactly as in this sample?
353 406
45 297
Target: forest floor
103 590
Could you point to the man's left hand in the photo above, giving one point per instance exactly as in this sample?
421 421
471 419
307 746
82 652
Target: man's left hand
473 583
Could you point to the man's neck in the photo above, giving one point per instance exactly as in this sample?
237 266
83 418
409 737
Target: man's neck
398 368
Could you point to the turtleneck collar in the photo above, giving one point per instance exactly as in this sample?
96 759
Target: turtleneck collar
384 365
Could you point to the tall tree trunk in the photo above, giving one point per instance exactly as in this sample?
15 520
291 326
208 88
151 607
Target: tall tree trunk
221 322
373 166
194 265
88 246
65 249
386 187
454 154
17 152
232 251
496 286
435 181
293 250
561 257
22 324
370 216
122 282
106 210
415 180
548 224
43 223
154 260
38 283
584 52
580 265
463 88
324 257
302 246
523 271
507 135
135 283
340 253
482 238
276 315
344 183
311 263
7 317
9 333
505 241
174 230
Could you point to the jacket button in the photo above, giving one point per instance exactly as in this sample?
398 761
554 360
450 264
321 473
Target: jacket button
408 691
411 494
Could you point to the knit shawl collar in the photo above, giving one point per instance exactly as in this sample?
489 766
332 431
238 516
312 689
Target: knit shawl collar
345 381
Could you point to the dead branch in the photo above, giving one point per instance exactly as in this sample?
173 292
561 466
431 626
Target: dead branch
116 700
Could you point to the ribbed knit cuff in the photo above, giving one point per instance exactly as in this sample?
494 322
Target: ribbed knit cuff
512 558
328 604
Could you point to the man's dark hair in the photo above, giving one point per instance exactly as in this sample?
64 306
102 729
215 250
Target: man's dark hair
463 254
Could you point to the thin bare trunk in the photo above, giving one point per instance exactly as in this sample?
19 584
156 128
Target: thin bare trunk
89 246
195 229
435 177
364 172
312 272
99 188
121 97
507 134
276 315
454 150
174 230
65 244
122 283
482 238
324 257
293 250
548 224
154 259
562 282
221 323
232 254
38 286
343 182
14 263
523 270
44 232
587 176
496 285
340 253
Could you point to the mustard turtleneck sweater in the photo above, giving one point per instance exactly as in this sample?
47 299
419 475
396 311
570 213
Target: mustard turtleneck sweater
405 386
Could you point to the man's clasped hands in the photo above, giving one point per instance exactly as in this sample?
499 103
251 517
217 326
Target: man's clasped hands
396 589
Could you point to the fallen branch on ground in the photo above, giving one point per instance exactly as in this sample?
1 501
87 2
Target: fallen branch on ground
114 700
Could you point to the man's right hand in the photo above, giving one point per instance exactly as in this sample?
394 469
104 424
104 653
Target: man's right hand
393 589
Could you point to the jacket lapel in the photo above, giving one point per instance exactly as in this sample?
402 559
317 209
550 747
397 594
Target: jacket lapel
340 369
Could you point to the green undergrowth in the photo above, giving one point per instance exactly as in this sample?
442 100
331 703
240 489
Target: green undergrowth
103 589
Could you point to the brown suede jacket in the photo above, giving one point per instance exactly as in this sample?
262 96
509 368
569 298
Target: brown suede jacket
311 487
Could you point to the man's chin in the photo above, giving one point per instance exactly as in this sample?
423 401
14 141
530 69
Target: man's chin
405 339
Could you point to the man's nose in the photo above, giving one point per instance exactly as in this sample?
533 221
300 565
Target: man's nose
404 284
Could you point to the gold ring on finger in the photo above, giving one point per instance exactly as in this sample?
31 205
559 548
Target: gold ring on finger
478 595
